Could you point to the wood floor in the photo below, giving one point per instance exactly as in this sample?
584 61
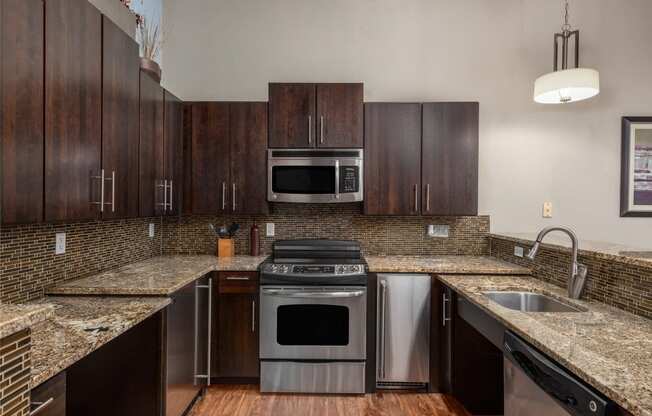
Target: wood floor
236 400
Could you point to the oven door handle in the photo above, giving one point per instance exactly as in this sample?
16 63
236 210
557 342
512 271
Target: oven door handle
314 295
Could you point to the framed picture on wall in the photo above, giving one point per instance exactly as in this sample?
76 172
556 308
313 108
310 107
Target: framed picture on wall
636 168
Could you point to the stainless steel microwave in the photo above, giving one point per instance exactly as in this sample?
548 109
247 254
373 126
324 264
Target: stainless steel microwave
315 175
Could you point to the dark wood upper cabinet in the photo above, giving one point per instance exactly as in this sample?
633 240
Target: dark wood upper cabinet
151 151
315 115
209 147
392 158
173 152
120 121
21 118
450 159
228 146
339 115
292 115
248 158
73 109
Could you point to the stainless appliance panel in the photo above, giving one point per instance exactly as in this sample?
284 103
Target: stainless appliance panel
340 316
181 387
309 377
317 158
403 329
524 398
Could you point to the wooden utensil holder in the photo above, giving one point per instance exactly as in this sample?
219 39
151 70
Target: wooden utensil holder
225 247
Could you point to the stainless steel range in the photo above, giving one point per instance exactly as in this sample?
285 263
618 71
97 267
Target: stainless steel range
313 301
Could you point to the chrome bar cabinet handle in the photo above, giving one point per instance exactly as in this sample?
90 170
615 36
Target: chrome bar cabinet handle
383 307
416 198
337 179
233 204
40 406
223 196
237 278
428 198
171 190
444 301
321 129
99 177
309 129
253 316
210 330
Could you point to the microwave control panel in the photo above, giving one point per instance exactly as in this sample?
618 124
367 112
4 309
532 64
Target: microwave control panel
349 179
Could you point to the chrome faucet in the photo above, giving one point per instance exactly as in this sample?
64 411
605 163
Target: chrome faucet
578 271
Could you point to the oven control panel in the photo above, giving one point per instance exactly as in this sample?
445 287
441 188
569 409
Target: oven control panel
322 270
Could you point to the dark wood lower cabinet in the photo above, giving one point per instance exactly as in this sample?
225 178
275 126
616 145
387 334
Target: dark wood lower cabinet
124 377
49 399
235 341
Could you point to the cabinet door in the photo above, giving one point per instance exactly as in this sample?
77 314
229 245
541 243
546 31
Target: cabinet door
340 115
210 158
21 118
248 127
392 158
152 193
173 151
120 121
50 397
238 336
292 122
73 109
450 159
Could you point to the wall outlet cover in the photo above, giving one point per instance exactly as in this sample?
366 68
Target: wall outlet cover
438 231
270 230
518 251
151 230
60 244
547 210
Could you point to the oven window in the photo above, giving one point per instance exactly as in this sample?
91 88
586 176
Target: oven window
312 325
303 179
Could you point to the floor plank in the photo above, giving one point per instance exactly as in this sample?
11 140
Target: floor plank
246 400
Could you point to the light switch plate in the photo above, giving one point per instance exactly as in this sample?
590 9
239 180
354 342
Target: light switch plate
151 230
547 210
270 229
518 251
438 231
60 244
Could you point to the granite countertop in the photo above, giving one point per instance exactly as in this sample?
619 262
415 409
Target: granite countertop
15 318
608 348
443 264
158 276
81 325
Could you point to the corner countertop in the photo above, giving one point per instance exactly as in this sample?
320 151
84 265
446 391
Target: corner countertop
15 318
80 325
158 276
608 348
162 276
443 264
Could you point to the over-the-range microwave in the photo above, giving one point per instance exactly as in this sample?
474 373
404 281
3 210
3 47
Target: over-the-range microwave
315 175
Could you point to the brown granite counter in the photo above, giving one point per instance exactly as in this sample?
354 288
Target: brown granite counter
81 325
15 318
158 276
608 348
443 264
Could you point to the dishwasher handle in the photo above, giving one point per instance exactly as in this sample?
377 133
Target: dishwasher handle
565 388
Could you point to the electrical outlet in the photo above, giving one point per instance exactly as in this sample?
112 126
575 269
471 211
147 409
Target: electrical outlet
60 244
270 229
518 251
438 231
152 230
547 210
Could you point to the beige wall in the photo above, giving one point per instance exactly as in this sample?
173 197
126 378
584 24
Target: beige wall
485 50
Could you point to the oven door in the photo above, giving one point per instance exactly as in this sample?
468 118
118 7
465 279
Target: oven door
313 323
321 178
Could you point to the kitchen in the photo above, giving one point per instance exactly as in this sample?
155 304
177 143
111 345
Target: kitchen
297 208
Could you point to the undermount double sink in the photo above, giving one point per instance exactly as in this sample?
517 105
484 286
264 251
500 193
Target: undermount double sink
529 302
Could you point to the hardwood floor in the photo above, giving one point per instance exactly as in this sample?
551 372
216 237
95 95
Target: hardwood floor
236 400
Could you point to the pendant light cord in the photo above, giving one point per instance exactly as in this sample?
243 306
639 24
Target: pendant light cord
566 27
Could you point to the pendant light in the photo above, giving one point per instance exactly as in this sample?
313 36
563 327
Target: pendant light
566 85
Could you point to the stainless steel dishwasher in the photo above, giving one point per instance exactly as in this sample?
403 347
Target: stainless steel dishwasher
535 385
403 331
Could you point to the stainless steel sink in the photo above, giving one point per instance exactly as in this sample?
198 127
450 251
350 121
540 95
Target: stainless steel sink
529 302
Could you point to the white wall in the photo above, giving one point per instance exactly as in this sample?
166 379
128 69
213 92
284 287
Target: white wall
485 50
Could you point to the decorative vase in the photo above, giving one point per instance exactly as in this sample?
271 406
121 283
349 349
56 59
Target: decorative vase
151 67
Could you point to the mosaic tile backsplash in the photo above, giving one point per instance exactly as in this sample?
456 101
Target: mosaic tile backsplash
377 235
15 374
617 283
28 262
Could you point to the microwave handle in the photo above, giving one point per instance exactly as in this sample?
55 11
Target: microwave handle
337 179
